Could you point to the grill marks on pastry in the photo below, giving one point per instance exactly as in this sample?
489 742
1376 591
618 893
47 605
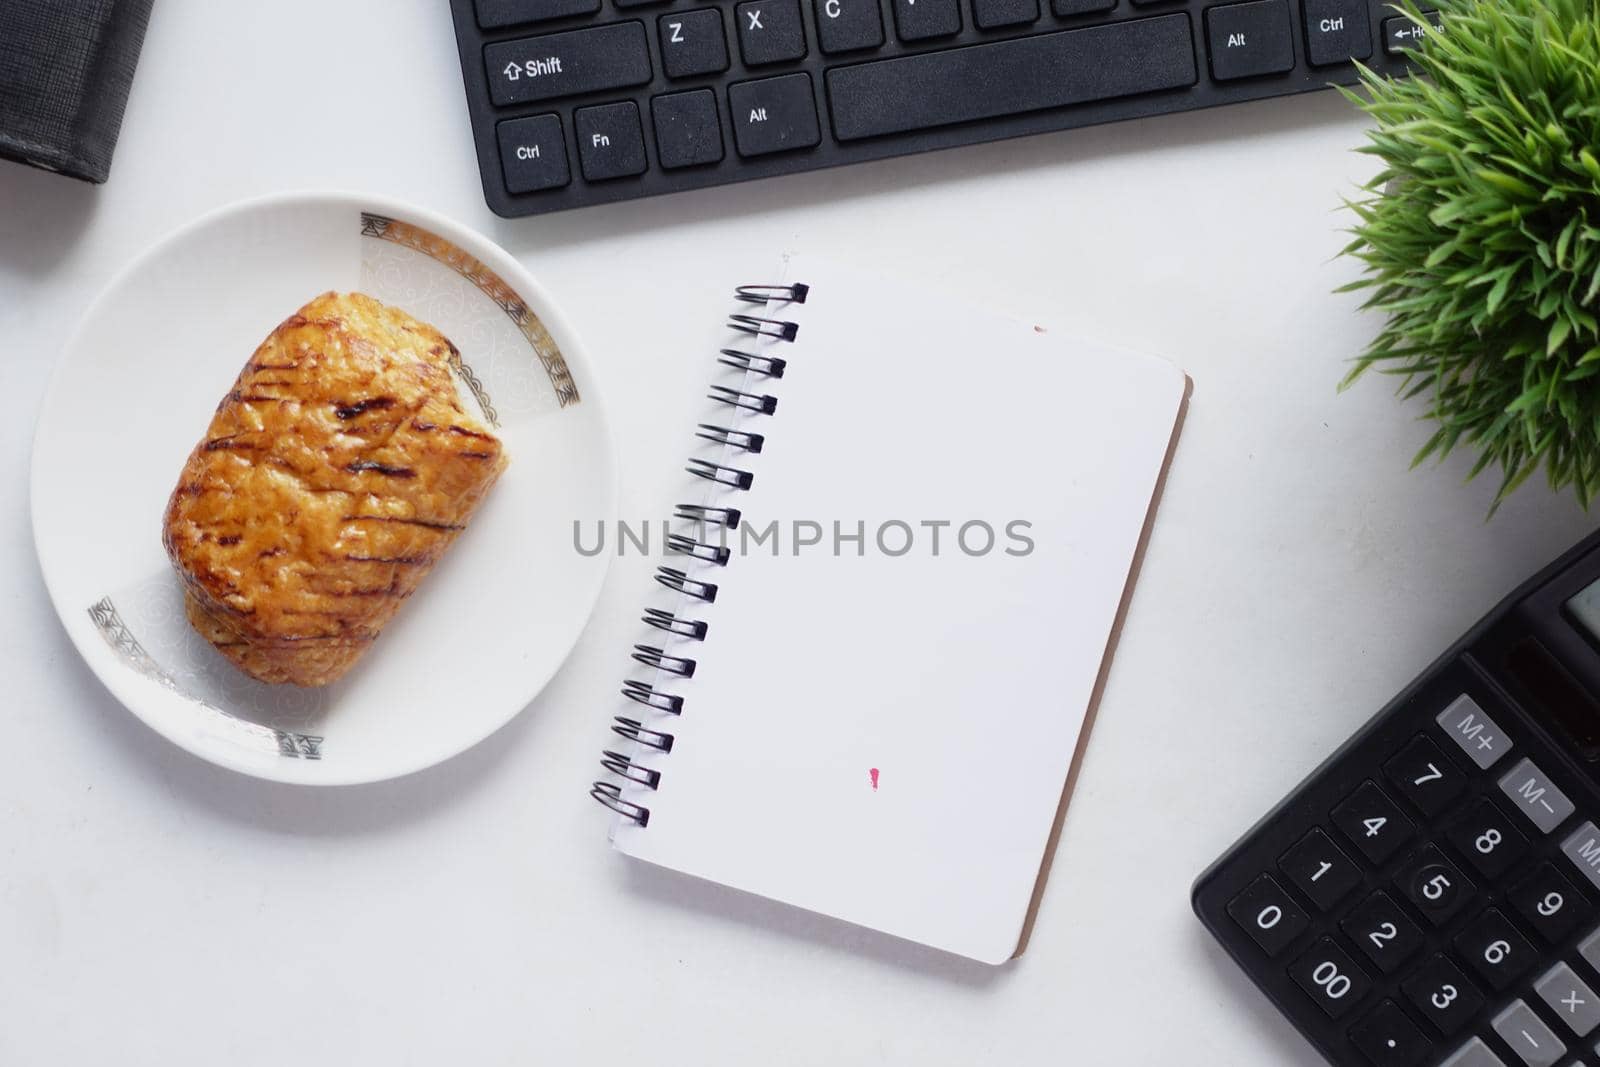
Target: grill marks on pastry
346 412
361 465
426 524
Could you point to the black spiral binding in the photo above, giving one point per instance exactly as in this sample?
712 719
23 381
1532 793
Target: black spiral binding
624 766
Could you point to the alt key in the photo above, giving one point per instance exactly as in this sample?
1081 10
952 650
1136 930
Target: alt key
1249 40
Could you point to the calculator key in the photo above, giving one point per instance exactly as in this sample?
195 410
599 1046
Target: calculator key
848 25
610 142
1265 912
993 14
1549 902
1424 776
1470 727
589 60
1488 840
1330 978
692 43
1372 823
687 131
1442 994
1528 1036
770 32
532 154
1473 1054
1434 885
1389 1039
1495 949
1381 931
1532 794
1250 39
1583 849
919 20
1589 949
1322 872
1569 999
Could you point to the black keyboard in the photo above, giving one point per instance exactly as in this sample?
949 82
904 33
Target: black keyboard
578 102
1429 895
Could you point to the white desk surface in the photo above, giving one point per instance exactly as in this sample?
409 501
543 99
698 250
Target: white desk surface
157 910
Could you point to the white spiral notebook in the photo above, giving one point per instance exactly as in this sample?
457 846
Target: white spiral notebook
872 654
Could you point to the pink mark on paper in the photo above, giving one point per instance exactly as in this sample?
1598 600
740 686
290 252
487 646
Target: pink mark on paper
874 774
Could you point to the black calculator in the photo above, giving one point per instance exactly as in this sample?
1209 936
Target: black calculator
1431 894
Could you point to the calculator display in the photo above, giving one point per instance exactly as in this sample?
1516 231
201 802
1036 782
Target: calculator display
1584 610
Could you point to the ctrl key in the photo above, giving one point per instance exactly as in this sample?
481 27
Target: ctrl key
532 154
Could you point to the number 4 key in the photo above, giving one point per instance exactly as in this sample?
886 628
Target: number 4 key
1372 822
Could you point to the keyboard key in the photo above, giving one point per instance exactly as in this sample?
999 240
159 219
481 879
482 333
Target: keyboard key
692 43
532 154
1549 902
1433 884
1331 978
1249 40
770 31
1573 1002
1381 930
687 131
773 115
1528 1036
1389 1039
639 3
493 14
993 14
1495 950
1067 8
1401 33
498 13
561 64
1583 849
1487 839
1372 822
848 25
1473 1054
1322 872
1265 912
610 141
1424 776
1470 727
1337 31
1001 77
920 20
1533 794
1442 994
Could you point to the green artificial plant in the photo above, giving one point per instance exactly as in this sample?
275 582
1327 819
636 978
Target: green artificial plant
1480 235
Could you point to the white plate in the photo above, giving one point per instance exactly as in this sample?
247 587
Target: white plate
133 393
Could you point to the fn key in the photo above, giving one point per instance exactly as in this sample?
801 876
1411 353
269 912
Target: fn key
1249 40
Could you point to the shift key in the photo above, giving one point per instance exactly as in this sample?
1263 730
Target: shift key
561 64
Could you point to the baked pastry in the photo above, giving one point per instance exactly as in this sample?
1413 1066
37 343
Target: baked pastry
332 478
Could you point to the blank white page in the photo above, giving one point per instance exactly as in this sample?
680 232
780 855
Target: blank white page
884 737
